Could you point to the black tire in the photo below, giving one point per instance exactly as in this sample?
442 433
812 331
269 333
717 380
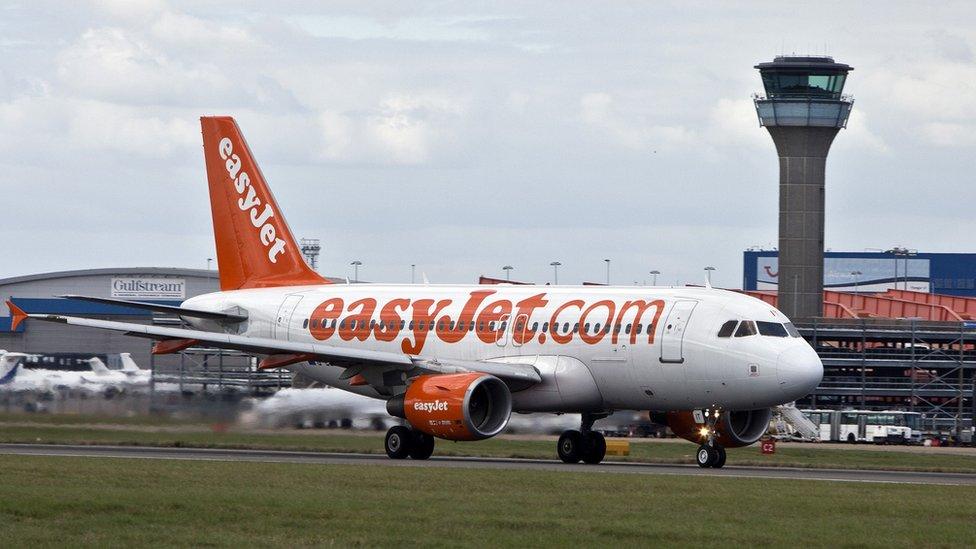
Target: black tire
720 458
851 438
570 446
705 456
423 445
399 440
594 447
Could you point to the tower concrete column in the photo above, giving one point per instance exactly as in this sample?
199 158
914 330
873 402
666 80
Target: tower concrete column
803 110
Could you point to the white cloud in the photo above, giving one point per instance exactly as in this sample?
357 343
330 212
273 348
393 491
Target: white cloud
598 110
380 109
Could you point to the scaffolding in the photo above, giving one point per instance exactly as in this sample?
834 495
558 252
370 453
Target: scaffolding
875 364
208 370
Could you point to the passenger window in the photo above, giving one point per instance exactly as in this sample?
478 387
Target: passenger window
746 328
372 324
411 325
586 327
576 327
535 326
545 326
627 330
774 329
305 324
596 328
342 324
460 325
639 327
727 329
481 326
403 324
566 327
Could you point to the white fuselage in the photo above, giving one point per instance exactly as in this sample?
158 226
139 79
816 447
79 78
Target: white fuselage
662 350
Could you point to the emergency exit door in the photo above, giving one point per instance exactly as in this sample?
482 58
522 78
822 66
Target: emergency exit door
283 319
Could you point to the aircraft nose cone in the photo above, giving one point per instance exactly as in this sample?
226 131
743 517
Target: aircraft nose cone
799 371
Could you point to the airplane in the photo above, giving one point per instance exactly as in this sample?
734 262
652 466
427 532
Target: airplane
455 361
129 376
317 406
16 376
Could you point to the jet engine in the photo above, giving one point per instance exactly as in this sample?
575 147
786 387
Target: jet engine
469 406
732 429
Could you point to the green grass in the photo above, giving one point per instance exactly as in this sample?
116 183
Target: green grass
331 441
58 501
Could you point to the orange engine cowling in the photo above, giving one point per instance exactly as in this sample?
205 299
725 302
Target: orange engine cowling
732 429
470 406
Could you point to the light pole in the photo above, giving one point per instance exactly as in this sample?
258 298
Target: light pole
209 261
356 265
555 272
708 274
608 271
508 272
413 273
654 273
856 274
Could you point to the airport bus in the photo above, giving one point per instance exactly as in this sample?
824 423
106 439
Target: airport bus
879 427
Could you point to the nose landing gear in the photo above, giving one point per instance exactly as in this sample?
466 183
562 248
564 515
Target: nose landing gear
710 454
585 445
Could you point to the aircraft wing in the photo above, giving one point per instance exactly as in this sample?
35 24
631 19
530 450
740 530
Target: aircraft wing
284 353
171 309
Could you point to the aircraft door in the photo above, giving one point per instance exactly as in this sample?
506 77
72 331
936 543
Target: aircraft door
283 318
519 327
501 331
672 338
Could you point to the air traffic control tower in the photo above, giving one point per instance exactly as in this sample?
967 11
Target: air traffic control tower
803 109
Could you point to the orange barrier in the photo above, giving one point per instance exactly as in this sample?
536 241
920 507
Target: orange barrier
844 305
963 306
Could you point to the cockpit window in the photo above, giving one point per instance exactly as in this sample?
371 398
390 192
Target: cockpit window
727 329
746 328
791 329
774 329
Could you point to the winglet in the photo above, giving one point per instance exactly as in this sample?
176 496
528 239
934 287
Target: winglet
17 314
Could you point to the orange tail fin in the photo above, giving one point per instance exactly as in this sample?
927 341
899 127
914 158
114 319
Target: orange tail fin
255 247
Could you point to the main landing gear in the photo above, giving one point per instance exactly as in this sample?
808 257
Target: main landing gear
585 445
403 441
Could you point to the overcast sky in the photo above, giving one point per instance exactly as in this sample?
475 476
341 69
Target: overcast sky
464 136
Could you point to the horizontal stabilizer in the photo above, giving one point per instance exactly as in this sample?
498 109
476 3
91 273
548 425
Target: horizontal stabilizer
171 309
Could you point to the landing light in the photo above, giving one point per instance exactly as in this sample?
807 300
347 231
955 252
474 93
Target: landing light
703 432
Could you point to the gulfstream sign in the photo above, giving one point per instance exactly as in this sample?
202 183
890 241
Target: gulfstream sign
159 288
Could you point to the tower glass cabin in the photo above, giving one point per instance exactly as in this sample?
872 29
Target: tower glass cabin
803 109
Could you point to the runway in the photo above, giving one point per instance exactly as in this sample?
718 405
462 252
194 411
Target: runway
322 458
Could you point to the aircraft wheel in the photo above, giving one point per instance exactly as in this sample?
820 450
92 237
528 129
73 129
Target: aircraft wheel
720 460
423 445
594 447
398 442
706 456
570 446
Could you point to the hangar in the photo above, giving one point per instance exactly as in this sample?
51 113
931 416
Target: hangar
38 293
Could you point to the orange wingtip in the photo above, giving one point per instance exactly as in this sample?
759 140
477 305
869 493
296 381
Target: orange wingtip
17 314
